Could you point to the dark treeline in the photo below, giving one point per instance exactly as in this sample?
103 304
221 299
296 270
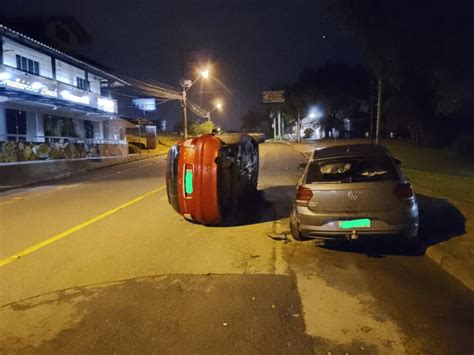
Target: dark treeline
422 53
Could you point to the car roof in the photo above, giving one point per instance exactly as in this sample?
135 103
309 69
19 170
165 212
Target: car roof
350 150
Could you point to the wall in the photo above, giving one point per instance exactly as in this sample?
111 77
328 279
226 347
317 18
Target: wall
94 82
3 123
11 152
67 73
11 49
115 129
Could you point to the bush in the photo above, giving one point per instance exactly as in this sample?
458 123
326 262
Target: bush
197 129
465 146
133 148
308 133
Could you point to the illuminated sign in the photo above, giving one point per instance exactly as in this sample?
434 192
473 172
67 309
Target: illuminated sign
35 88
65 94
106 105
50 89
145 104
273 96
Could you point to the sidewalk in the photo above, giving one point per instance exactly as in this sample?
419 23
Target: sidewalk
446 209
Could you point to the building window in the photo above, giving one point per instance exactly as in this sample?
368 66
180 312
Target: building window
16 124
28 65
59 127
62 34
82 84
89 129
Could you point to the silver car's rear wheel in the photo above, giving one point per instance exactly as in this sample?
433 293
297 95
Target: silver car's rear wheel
294 229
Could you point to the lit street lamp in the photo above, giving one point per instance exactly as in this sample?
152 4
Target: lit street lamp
218 106
186 84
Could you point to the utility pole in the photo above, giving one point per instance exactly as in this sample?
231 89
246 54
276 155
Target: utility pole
185 114
298 128
146 132
282 128
379 111
274 128
139 136
371 107
279 125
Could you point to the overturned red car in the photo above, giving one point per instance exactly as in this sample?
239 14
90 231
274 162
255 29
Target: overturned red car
206 175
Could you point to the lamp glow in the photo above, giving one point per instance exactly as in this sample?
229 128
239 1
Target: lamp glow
205 73
315 113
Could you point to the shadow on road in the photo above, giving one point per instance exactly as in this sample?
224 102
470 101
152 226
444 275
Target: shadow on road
269 204
439 221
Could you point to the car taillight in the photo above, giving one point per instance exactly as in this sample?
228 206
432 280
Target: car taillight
303 194
403 191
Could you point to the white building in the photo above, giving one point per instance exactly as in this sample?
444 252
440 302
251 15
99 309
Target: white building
52 105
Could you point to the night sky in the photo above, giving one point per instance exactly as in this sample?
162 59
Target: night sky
256 44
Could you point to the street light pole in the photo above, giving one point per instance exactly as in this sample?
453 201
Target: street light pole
185 114
218 106
139 136
379 111
298 128
186 85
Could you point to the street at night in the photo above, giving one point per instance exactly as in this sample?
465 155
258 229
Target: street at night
143 280
236 177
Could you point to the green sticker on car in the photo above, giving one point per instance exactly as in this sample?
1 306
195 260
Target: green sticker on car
188 182
355 223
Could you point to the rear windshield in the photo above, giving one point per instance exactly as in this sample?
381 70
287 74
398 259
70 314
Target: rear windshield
352 169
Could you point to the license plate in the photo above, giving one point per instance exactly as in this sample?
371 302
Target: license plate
355 223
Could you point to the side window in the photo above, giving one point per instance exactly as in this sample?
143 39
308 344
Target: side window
82 84
27 65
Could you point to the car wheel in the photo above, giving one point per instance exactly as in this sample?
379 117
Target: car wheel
295 231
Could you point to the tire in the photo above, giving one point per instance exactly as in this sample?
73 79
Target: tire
294 229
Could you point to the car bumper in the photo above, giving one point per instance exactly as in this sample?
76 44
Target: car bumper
326 226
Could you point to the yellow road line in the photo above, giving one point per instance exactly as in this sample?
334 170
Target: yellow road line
74 229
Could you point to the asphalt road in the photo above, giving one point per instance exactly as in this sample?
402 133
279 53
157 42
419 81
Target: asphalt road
107 266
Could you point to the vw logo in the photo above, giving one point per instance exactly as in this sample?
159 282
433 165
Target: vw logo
352 195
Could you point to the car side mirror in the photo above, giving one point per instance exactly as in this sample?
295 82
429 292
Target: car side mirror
302 166
398 161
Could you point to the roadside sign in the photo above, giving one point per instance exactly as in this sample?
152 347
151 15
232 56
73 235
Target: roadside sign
273 96
145 104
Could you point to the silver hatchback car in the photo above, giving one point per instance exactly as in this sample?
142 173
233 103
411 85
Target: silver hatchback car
353 190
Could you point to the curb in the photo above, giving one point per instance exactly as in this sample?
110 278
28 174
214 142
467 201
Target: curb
447 262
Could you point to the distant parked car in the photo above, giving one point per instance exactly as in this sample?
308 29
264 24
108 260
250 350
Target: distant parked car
353 190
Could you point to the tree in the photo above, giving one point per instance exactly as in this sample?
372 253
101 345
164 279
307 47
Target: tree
253 121
338 90
421 51
179 127
197 129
